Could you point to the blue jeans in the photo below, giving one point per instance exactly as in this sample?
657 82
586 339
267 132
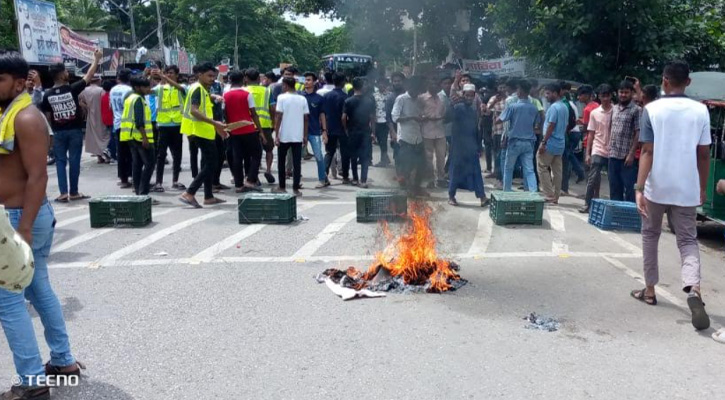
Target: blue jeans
621 180
520 151
316 142
571 161
113 143
68 145
14 316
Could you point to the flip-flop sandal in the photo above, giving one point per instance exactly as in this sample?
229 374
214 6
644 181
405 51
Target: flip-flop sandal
485 203
79 196
640 295
62 199
453 202
214 201
178 186
719 336
700 319
194 203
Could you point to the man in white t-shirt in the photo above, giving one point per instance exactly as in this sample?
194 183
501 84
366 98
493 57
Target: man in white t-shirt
674 167
291 119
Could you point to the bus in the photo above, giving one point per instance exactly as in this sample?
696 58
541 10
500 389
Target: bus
350 65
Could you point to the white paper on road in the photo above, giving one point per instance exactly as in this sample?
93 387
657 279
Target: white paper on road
348 294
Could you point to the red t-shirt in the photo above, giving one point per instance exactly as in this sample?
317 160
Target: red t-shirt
106 112
237 105
585 118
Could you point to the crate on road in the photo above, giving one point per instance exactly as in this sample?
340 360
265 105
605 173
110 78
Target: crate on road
120 210
516 208
267 208
615 215
373 206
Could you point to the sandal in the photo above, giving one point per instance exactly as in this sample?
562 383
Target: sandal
79 196
62 199
485 202
52 370
188 202
178 186
453 202
25 392
641 296
700 319
214 201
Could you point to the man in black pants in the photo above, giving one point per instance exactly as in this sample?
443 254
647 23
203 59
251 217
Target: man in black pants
241 115
336 138
358 119
199 124
137 120
169 101
291 124
216 91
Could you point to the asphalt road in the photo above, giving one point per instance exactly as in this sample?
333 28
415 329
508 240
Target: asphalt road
196 306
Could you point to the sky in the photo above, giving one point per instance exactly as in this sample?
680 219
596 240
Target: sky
316 24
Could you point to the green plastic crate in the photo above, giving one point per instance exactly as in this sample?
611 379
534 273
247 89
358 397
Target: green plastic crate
120 210
267 208
517 208
373 206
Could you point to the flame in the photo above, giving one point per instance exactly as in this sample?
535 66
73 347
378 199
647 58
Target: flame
412 255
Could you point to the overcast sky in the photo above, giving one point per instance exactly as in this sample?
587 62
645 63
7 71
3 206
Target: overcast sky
315 23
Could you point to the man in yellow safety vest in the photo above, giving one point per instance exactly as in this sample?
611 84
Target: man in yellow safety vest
199 125
170 97
137 130
262 96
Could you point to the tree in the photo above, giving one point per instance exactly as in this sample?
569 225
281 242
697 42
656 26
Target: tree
83 14
596 41
335 40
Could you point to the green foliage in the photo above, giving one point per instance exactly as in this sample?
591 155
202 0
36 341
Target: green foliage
8 29
82 14
335 40
591 40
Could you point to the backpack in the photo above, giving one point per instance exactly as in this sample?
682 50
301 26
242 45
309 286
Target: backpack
572 117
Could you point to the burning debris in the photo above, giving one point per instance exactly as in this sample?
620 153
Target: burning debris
542 323
409 265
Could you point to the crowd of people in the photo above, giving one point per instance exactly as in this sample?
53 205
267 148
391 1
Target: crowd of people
437 129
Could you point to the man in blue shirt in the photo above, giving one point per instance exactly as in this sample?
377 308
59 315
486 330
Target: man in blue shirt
336 137
519 142
551 149
317 125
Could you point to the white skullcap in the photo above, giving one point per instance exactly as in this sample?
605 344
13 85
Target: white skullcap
469 87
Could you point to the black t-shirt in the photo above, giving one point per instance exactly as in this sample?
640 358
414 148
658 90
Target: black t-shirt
360 110
62 104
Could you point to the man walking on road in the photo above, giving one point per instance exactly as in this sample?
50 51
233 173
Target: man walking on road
624 141
523 117
597 151
317 126
262 96
495 108
434 133
60 104
407 113
675 163
291 125
23 179
358 120
169 102
199 125
336 137
552 145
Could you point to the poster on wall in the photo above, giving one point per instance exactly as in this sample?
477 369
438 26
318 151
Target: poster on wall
75 46
38 31
499 66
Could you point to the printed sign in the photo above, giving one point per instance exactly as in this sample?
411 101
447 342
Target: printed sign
75 46
498 66
38 31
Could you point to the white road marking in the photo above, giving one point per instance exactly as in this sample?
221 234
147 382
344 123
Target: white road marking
59 211
96 233
483 235
151 239
639 278
556 220
70 221
323 237
325 259
629 246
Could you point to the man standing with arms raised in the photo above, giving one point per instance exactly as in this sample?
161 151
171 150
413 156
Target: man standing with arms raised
199 124
23 180
672 179
61 107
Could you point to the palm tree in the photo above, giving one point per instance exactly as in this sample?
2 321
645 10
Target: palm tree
83 14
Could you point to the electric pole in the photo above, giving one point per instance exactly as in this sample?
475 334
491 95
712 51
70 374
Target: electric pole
159 31
129 14
236 46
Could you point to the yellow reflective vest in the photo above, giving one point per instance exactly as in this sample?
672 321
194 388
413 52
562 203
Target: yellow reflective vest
261 96
129 131
191 126
169 101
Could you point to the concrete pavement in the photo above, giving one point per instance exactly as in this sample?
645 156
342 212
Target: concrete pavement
198 306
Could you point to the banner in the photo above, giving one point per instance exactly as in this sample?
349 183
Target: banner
112 61
498 66
75 46
184 66
38 31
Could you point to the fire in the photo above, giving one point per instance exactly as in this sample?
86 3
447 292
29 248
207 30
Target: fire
412 255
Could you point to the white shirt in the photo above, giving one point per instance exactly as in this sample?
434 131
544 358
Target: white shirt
326 89
676 126
293 108
408 131
117 96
